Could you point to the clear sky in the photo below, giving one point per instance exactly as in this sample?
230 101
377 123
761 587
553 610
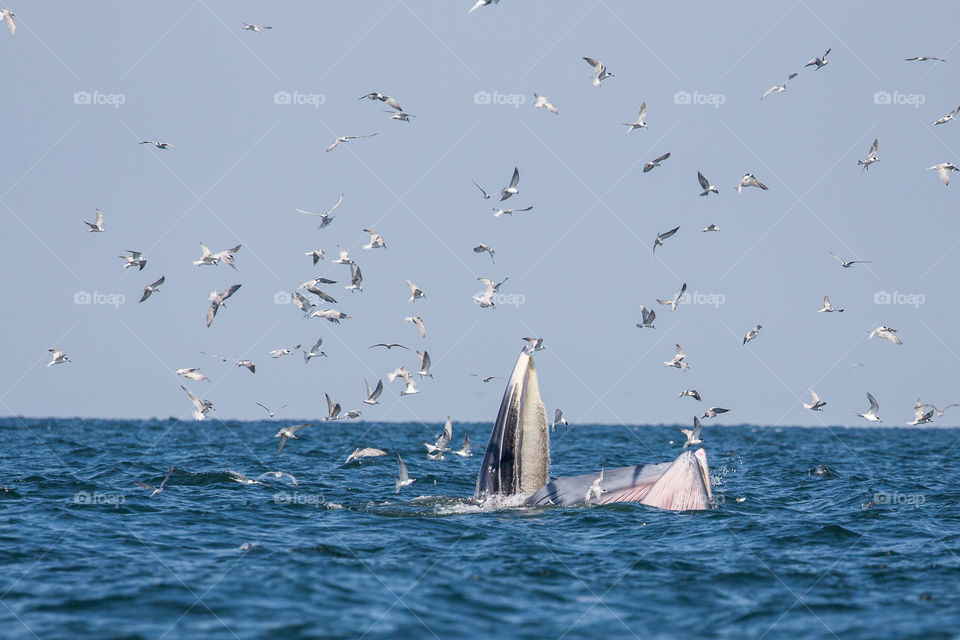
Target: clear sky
83 87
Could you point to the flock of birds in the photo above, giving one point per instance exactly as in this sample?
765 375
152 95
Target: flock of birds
318 307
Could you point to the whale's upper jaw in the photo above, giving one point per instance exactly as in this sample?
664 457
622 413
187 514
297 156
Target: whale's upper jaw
517 457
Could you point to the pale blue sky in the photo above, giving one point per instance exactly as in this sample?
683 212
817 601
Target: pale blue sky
580 261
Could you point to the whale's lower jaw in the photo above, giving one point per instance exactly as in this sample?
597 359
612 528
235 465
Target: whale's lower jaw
681 485
517 458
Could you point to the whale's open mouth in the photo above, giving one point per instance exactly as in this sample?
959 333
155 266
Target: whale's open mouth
517 461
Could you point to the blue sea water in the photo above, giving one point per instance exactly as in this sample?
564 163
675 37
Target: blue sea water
819 533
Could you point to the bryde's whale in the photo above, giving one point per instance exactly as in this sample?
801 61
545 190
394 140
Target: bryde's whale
517 461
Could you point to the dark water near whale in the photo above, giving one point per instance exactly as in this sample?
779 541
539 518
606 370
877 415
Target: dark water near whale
792 551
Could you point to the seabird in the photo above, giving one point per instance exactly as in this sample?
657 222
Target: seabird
152 288
693 393
373 394
270 412
58 357
500 212
816 404
711 227
749 180
595 490
285 434
871 413
559 419
885 333
314 351
947 118
159 489
919 417
846 264
713 412
536 344
542 103
217 300
424 364
693 435
8 15
347 139
376 241
638 123
200 408
599 71
480 248
819 62
647 318
403 478
325 217
344 257
255 27
706 186
942 169
332 315
511 189
356 279
924 59
97 226
366 452
285 351
276 475
158 145
678 360
415 292
192 373
135 259
418 321
753 333
676 299
871 157
655 162
827 307
464 451
779 88
663 236
383 98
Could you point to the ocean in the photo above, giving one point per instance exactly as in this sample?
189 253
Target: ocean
819 533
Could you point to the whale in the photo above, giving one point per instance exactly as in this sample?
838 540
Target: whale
517 461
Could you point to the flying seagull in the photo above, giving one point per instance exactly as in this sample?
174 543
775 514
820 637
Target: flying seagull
543 103
151 288
325 217
331 315
217 300
373 394
663 236
500 212
376 241
693 435
706 186
779 88
333 409
257 28
846 264
278 474
403 116
403 478
135 259
711 227
366 452
464 450
484 378
8 15
713 412
753 333
58 357
947 118
511 189
692 393
559 419
158 145
871 413
285 351
940 412
815 404
819 62
97 225
942 169
200 408
600 72
270 412
347 139
382 98
443 441
479 4
192 373
388 345
536 344
655 162
647 318
415 292
288 432
314 351
344 257
919 417
676 299
424 364
886 333
924 59
595 490
480 248
827 307
871 157
678 360
159 489
749 180
639 122
418 321
356 279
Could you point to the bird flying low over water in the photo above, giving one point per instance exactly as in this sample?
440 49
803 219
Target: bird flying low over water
713 412
815 404
366 452
403 478
600 72
919 417
270 412
559 419
871 413
200 407
508 212
159 489
289 432
158 145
